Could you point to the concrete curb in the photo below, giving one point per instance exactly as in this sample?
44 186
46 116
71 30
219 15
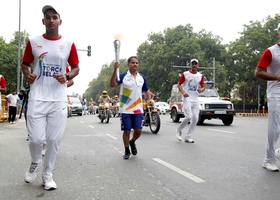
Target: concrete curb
251 114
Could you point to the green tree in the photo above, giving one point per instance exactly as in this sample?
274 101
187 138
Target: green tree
102 82
8 63
243 55
176 46
9 60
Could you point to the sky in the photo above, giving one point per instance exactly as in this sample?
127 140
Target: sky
95 23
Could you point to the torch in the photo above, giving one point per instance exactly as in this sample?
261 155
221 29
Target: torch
117 45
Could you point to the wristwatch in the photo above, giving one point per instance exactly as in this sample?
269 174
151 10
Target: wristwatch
67 77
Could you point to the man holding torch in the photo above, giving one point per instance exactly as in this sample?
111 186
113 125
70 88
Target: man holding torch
132 84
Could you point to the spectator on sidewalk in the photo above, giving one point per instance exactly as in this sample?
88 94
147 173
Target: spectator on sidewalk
12 99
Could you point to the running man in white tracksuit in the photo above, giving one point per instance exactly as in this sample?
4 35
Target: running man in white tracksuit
268 69
190 84
47 103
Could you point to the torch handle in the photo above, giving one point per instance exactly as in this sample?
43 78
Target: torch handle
118 74
117 45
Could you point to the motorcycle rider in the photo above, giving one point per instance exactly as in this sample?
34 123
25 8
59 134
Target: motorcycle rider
115 104
91 106
103 100
115 100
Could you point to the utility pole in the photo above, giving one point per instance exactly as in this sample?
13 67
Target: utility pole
260 94
244 93
18 67
23 46
214 70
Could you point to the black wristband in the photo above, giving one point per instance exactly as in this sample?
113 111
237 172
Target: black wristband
67 77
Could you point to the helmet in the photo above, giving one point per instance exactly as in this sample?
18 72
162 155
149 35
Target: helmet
116 96
91 99
104 93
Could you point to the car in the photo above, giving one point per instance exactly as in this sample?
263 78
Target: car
162 107
76 105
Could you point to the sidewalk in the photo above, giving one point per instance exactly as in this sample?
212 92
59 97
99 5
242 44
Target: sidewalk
5 120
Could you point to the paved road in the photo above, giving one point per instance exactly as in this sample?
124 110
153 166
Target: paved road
224 163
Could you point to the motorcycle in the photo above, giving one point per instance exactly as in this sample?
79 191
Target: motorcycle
104 112
151 118
115 110
91 110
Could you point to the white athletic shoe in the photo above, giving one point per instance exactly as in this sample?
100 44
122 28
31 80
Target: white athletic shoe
48 183
179 135
277 154
31 172
270 167
188 139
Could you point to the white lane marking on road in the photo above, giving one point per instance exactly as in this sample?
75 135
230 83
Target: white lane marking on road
91 126
84 135
219 130
116 148
112 136
82 122
182 172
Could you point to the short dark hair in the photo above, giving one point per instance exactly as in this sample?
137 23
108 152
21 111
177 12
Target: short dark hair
131 57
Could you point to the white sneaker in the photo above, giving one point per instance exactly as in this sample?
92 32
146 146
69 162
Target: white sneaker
189 140
31 172
48 183
270 167
277 154
179 135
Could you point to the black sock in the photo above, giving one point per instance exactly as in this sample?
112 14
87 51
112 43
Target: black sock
127 150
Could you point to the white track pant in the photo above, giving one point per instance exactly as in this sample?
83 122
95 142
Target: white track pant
273 128
46 121
191 111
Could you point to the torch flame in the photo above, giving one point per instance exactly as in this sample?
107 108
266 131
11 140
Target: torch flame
118 36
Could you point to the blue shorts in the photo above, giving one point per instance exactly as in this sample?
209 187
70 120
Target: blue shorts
131 121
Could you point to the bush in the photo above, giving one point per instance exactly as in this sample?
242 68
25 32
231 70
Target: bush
249 106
